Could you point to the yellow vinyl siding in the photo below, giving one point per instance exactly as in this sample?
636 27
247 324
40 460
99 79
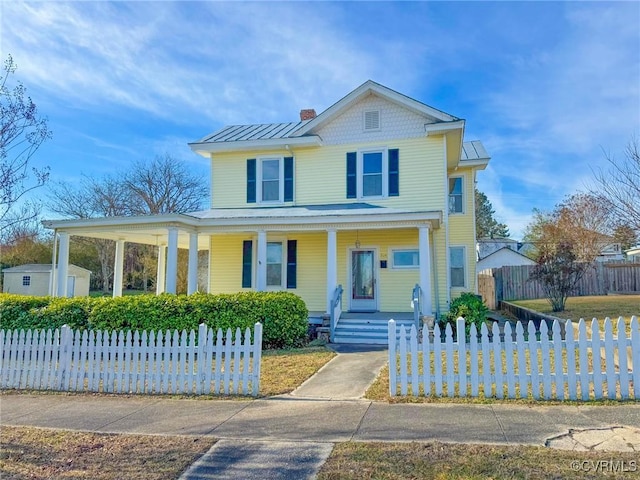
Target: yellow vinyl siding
462 232
312 269
320 175
225 262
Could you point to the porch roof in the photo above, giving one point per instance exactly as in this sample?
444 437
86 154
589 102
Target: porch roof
152 229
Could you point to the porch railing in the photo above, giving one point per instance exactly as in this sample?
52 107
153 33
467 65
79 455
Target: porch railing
336 310
416 303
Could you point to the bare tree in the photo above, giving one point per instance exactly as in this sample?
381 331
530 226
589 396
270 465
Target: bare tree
164 185
619 184
22 131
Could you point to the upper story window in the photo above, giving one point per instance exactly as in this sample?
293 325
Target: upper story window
373 173
26 280
456 195
271 184
270 180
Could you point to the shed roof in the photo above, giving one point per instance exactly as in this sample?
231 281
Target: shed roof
38 268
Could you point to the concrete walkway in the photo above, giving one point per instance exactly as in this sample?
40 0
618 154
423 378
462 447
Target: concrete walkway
290 436
347 376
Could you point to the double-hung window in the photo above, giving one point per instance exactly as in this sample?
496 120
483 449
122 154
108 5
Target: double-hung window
455 195
457 266
373 173
271 184
275 272
270 180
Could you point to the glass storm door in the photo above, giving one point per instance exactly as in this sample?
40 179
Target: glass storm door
363 280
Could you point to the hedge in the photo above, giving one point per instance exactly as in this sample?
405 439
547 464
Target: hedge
283 314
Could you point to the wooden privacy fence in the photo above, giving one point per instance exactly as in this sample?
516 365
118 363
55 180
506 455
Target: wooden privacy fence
540 364
512 282
126 362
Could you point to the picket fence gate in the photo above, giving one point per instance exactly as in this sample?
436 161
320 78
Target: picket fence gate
126 362
542 365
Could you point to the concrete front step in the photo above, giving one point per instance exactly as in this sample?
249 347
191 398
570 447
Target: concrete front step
363 330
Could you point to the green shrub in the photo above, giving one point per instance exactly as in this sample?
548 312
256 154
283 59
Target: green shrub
283 314
15 310
468 306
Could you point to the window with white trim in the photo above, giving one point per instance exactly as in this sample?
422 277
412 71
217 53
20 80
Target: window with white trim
26 280
372 174
275 264
457 261
456 203
405 258
271 180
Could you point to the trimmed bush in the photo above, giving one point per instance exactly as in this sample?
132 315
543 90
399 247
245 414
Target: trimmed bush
468 306
284 315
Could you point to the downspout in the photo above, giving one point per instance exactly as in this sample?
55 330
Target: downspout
446 226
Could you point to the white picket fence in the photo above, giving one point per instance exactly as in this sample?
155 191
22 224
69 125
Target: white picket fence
126 362
592 366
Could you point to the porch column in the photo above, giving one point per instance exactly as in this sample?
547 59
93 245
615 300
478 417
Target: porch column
162 265
261 280
118 268
332 267
172 261
192 283
425 269
63 265
54 261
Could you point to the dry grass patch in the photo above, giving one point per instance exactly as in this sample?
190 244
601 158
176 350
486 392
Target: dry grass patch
36 453
282 371
435 460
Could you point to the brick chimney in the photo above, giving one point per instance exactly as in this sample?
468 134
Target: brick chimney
307 114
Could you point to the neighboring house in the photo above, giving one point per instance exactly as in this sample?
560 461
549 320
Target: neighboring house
375 194
487 246
633 254
502 258
34 279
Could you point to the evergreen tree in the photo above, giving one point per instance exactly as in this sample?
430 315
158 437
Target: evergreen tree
486 225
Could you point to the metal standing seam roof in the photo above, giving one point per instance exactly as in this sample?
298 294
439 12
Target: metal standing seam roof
474 150
264 131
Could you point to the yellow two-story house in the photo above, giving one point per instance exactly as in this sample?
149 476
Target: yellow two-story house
365 210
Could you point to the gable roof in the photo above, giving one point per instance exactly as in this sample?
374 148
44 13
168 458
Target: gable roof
259 136
38 268
370 87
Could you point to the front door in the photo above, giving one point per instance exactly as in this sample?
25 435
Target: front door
363 280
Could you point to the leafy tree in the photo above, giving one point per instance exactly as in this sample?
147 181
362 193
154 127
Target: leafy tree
625 236
22 131
486 224
581 221
161 185
558 270
619 185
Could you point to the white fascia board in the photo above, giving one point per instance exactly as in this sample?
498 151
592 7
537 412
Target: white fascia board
149 220
382 91
438 128
205 149
479 163
346 221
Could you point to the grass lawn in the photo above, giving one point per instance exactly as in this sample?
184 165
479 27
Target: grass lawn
600 307
36 453
282 371
435 460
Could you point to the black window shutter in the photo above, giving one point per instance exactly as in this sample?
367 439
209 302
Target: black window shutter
288 179
394 172
247 252
352 178
251 180
292 254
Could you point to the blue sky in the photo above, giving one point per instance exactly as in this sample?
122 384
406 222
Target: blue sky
546 86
